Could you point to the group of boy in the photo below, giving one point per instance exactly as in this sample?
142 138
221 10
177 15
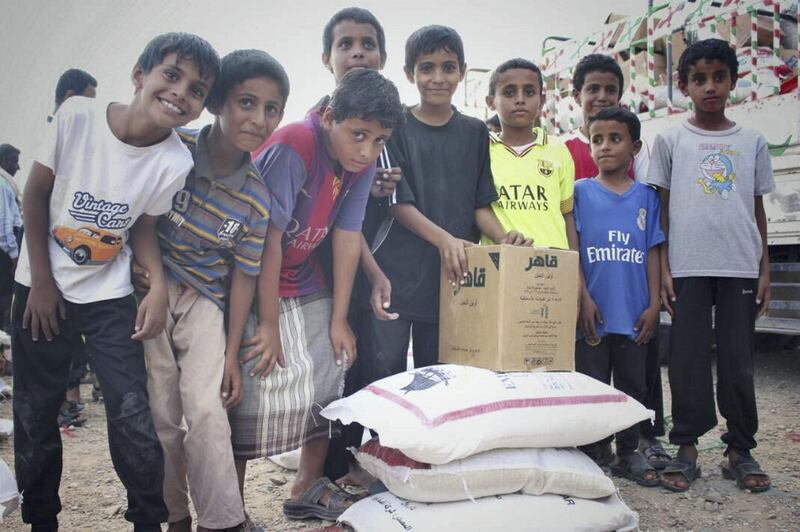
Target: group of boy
210 227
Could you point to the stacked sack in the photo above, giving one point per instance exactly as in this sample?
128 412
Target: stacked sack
471 449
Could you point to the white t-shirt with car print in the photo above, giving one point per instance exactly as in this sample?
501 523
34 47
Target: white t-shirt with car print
102 185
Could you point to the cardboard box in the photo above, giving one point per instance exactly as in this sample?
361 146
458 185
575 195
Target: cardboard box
517 310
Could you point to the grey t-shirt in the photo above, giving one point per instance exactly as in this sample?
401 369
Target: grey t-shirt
712 177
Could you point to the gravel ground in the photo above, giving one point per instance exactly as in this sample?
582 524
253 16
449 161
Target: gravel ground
94 500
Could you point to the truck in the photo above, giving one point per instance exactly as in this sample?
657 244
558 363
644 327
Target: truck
767 98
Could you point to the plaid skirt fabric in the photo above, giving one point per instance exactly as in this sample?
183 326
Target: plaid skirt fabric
281 413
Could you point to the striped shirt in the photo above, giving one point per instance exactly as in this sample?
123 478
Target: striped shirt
215 222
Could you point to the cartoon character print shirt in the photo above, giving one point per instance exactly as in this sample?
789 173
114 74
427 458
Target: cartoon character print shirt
101 187
713 177
309 197
616 233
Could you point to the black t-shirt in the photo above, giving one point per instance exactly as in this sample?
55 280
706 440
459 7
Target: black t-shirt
446 175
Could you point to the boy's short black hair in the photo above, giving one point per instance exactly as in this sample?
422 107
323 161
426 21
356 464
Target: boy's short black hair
511 64
366 94
75 80
596 63
241 65
708 49
187 46
359 16
621 115
429 39
7 150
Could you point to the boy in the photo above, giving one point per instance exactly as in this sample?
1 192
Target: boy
319 173
447 189
105 170
10 228
74 82
712 175
217 225
617 221
598 84
533 172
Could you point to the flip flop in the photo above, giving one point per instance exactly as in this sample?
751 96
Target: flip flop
680 466
634 466
309 505
745 466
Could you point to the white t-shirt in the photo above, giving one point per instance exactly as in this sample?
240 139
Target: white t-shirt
101 187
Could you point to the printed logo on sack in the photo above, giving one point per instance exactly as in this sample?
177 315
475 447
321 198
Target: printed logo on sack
427 378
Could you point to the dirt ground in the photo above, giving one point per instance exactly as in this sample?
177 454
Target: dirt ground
94 500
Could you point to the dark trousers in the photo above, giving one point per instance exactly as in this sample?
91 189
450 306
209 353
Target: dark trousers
690 377
77 368
382 351
619 356
654 399
41 372
385 345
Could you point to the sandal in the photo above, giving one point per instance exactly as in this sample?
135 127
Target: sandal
680 466
600 453
635 467
745 466
310 506
656 456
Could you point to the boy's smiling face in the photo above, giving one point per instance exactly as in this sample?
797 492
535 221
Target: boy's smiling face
612 146
517 97
172 94
600 90
354 143
436 76
355 45
708 85
251 112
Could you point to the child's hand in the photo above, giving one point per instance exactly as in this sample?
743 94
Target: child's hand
43 309
381 299
667 291
385 182
454 258
151 318
140 277
763 295
343 339
516 238
589 315
267 342
231 388
646 325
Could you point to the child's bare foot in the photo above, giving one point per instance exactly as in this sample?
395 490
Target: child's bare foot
679 473
184 525
356 476
743 468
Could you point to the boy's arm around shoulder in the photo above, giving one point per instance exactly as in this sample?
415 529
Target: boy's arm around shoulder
45 304
152 314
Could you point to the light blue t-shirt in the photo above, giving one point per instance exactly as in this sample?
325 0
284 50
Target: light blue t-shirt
616 232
